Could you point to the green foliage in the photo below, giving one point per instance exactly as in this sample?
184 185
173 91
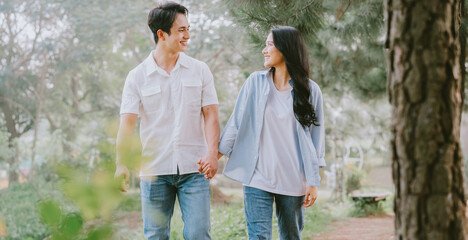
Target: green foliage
63 226
258 17
5 151
50 213
18 207
354 177
96 194
101 232
348 55
71 225
363 207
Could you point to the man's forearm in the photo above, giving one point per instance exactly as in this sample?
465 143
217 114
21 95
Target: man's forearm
124 137
212 136
122 146
212 131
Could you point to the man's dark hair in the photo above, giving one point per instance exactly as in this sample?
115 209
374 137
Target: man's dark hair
163 16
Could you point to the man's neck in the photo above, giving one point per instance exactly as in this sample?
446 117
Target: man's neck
165 59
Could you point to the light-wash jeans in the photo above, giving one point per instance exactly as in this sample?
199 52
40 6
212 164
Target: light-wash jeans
259 209
158 196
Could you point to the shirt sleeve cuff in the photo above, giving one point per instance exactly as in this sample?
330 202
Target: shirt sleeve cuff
225 150
314 182
206 103
322 162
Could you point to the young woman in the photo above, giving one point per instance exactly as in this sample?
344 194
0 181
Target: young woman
275 138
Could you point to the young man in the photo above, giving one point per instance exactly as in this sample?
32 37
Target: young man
175 98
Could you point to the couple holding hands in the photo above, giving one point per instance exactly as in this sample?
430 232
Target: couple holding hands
274 139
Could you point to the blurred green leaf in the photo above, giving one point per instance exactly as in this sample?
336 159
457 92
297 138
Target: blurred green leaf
100 233
71 225
50 213
96 194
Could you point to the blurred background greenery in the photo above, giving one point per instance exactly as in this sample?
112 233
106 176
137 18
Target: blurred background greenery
63 64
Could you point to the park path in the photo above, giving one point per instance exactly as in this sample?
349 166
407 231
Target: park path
367 228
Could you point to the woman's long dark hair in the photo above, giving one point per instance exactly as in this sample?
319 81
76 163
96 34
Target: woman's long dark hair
289 41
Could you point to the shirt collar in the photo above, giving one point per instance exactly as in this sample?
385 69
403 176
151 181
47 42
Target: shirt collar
151 66
267 74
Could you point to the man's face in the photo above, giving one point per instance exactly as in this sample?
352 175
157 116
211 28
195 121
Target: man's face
178 39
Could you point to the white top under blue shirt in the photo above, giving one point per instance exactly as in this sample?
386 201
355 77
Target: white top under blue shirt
240 140
278 167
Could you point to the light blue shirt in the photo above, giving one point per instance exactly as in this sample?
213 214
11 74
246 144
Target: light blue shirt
241 136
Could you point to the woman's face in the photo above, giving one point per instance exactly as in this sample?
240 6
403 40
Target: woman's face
273 56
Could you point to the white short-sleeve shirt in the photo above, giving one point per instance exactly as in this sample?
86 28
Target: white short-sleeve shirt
170 110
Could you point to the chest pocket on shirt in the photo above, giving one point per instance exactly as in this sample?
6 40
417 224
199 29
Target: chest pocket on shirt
151 98
192 93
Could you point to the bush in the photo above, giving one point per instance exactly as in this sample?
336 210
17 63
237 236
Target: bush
354 177
18 206
364 208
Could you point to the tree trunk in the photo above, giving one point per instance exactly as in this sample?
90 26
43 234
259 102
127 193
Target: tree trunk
462 37
40 101
13 135
424 83
13 174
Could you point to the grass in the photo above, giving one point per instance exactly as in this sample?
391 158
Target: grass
18 209
228 221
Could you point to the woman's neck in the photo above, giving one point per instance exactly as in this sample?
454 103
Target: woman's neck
281 78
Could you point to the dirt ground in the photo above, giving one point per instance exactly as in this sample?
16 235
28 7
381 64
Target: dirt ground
368 228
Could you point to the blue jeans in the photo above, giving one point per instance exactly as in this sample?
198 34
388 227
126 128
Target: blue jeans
158 196
258 206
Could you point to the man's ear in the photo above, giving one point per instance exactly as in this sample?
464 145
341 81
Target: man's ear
161 34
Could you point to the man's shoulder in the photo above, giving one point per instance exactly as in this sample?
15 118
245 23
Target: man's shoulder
138 68
135 73
190 61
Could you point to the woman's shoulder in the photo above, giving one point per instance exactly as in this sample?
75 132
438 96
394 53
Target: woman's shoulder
314 87
257 76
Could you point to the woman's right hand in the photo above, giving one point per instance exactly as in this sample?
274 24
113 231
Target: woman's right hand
311 196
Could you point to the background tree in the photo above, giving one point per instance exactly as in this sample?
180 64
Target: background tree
425 90
24 42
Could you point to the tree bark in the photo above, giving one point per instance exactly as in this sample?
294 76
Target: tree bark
462 37
424 84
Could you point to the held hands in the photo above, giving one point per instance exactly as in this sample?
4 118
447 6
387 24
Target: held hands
310 196
122 173
208 165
